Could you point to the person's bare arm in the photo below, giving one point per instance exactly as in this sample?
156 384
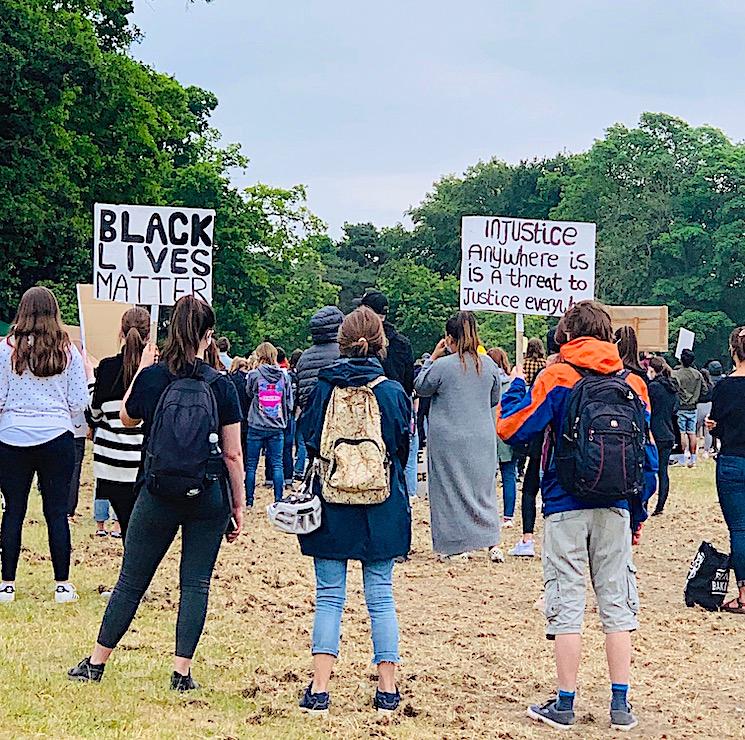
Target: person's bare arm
233 456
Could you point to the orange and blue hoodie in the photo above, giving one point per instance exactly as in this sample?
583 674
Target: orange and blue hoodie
525 413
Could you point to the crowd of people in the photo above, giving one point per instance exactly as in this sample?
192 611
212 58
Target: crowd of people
179 434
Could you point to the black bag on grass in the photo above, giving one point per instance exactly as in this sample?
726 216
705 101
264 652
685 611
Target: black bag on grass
708 578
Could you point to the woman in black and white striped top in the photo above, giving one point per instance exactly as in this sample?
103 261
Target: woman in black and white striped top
117 450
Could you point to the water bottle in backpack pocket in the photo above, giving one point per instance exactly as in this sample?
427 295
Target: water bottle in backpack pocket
600 448
182 451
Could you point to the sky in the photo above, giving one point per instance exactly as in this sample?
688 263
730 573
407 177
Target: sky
367 104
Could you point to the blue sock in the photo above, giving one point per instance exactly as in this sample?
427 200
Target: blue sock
619 692
565 701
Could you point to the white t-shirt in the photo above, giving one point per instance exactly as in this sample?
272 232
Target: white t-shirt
36 410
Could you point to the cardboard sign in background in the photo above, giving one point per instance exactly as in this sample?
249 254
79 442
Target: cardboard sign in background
100 324
649 323
527 266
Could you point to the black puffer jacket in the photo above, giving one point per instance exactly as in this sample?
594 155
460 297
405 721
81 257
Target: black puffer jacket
324 328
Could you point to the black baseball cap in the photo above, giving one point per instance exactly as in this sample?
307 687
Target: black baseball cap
375 300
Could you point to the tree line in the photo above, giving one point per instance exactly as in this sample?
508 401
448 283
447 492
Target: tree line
82 121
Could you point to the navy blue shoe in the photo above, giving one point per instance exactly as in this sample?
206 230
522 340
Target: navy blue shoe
386 703
548 713
315 703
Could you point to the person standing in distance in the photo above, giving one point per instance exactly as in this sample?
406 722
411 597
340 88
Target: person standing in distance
398 364
691 385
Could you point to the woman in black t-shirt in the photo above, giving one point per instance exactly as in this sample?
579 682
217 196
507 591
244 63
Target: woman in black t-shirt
727 422
156 520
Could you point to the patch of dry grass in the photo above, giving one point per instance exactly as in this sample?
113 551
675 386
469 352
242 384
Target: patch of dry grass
473 643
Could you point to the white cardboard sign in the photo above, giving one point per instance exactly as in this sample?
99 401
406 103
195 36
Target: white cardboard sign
519 265
685 341
152 254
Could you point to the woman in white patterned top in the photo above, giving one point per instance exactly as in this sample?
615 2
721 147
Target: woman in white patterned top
43 387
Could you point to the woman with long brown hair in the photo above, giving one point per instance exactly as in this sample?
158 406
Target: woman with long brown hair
42 388
165 503
462 442
373 533
117 450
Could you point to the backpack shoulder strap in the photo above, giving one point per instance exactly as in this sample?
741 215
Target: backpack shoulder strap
380 379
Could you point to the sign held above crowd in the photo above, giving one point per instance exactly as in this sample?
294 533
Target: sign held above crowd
152 254
525 266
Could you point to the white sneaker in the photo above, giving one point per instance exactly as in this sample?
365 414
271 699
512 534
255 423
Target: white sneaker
496 555
523 549
64 593
7 593
507 523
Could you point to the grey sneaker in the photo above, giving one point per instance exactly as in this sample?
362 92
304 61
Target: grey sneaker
622 719
559 719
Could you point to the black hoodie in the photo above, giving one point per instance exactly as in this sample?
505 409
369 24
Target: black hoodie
663 397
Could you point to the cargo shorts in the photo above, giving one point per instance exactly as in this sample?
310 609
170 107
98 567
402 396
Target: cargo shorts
600 538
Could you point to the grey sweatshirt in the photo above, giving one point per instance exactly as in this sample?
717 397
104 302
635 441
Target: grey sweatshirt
270 398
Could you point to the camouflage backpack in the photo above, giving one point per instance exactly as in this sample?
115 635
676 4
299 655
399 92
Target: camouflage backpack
355 468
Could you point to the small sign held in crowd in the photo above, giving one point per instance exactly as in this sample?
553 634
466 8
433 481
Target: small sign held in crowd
152 254
525 266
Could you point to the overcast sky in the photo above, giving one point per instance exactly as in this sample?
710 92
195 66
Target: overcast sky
368 103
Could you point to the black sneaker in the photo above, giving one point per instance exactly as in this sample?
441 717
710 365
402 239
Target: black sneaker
86 671
315 703
622 719
559 719
183 683
386 703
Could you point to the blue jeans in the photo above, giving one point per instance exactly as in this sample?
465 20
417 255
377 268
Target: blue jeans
731 490
101 510
411 466
687 422
287 442
273 441
509 486
301 453
331 592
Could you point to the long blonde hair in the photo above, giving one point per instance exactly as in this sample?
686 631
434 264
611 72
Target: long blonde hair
40 344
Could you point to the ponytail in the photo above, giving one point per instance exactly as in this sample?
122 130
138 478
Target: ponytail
462 328
135 332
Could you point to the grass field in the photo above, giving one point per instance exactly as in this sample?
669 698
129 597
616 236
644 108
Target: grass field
473 642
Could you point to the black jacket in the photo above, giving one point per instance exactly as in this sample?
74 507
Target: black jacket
324 328
663 397
398 363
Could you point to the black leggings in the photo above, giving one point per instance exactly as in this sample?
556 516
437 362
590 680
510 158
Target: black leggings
152 528
531 485
664 450
53 463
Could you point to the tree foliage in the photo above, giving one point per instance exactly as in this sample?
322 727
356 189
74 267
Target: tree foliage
82 121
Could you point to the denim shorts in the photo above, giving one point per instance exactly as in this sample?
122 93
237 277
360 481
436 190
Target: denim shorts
687 421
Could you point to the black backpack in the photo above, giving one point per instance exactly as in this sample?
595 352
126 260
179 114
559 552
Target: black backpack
708 578
180 453
600 448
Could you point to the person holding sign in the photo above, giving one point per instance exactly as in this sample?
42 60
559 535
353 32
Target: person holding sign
464 387
43 387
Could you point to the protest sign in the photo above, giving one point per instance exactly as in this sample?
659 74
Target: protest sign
685 341
100 323
526 266
152 254
649 323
